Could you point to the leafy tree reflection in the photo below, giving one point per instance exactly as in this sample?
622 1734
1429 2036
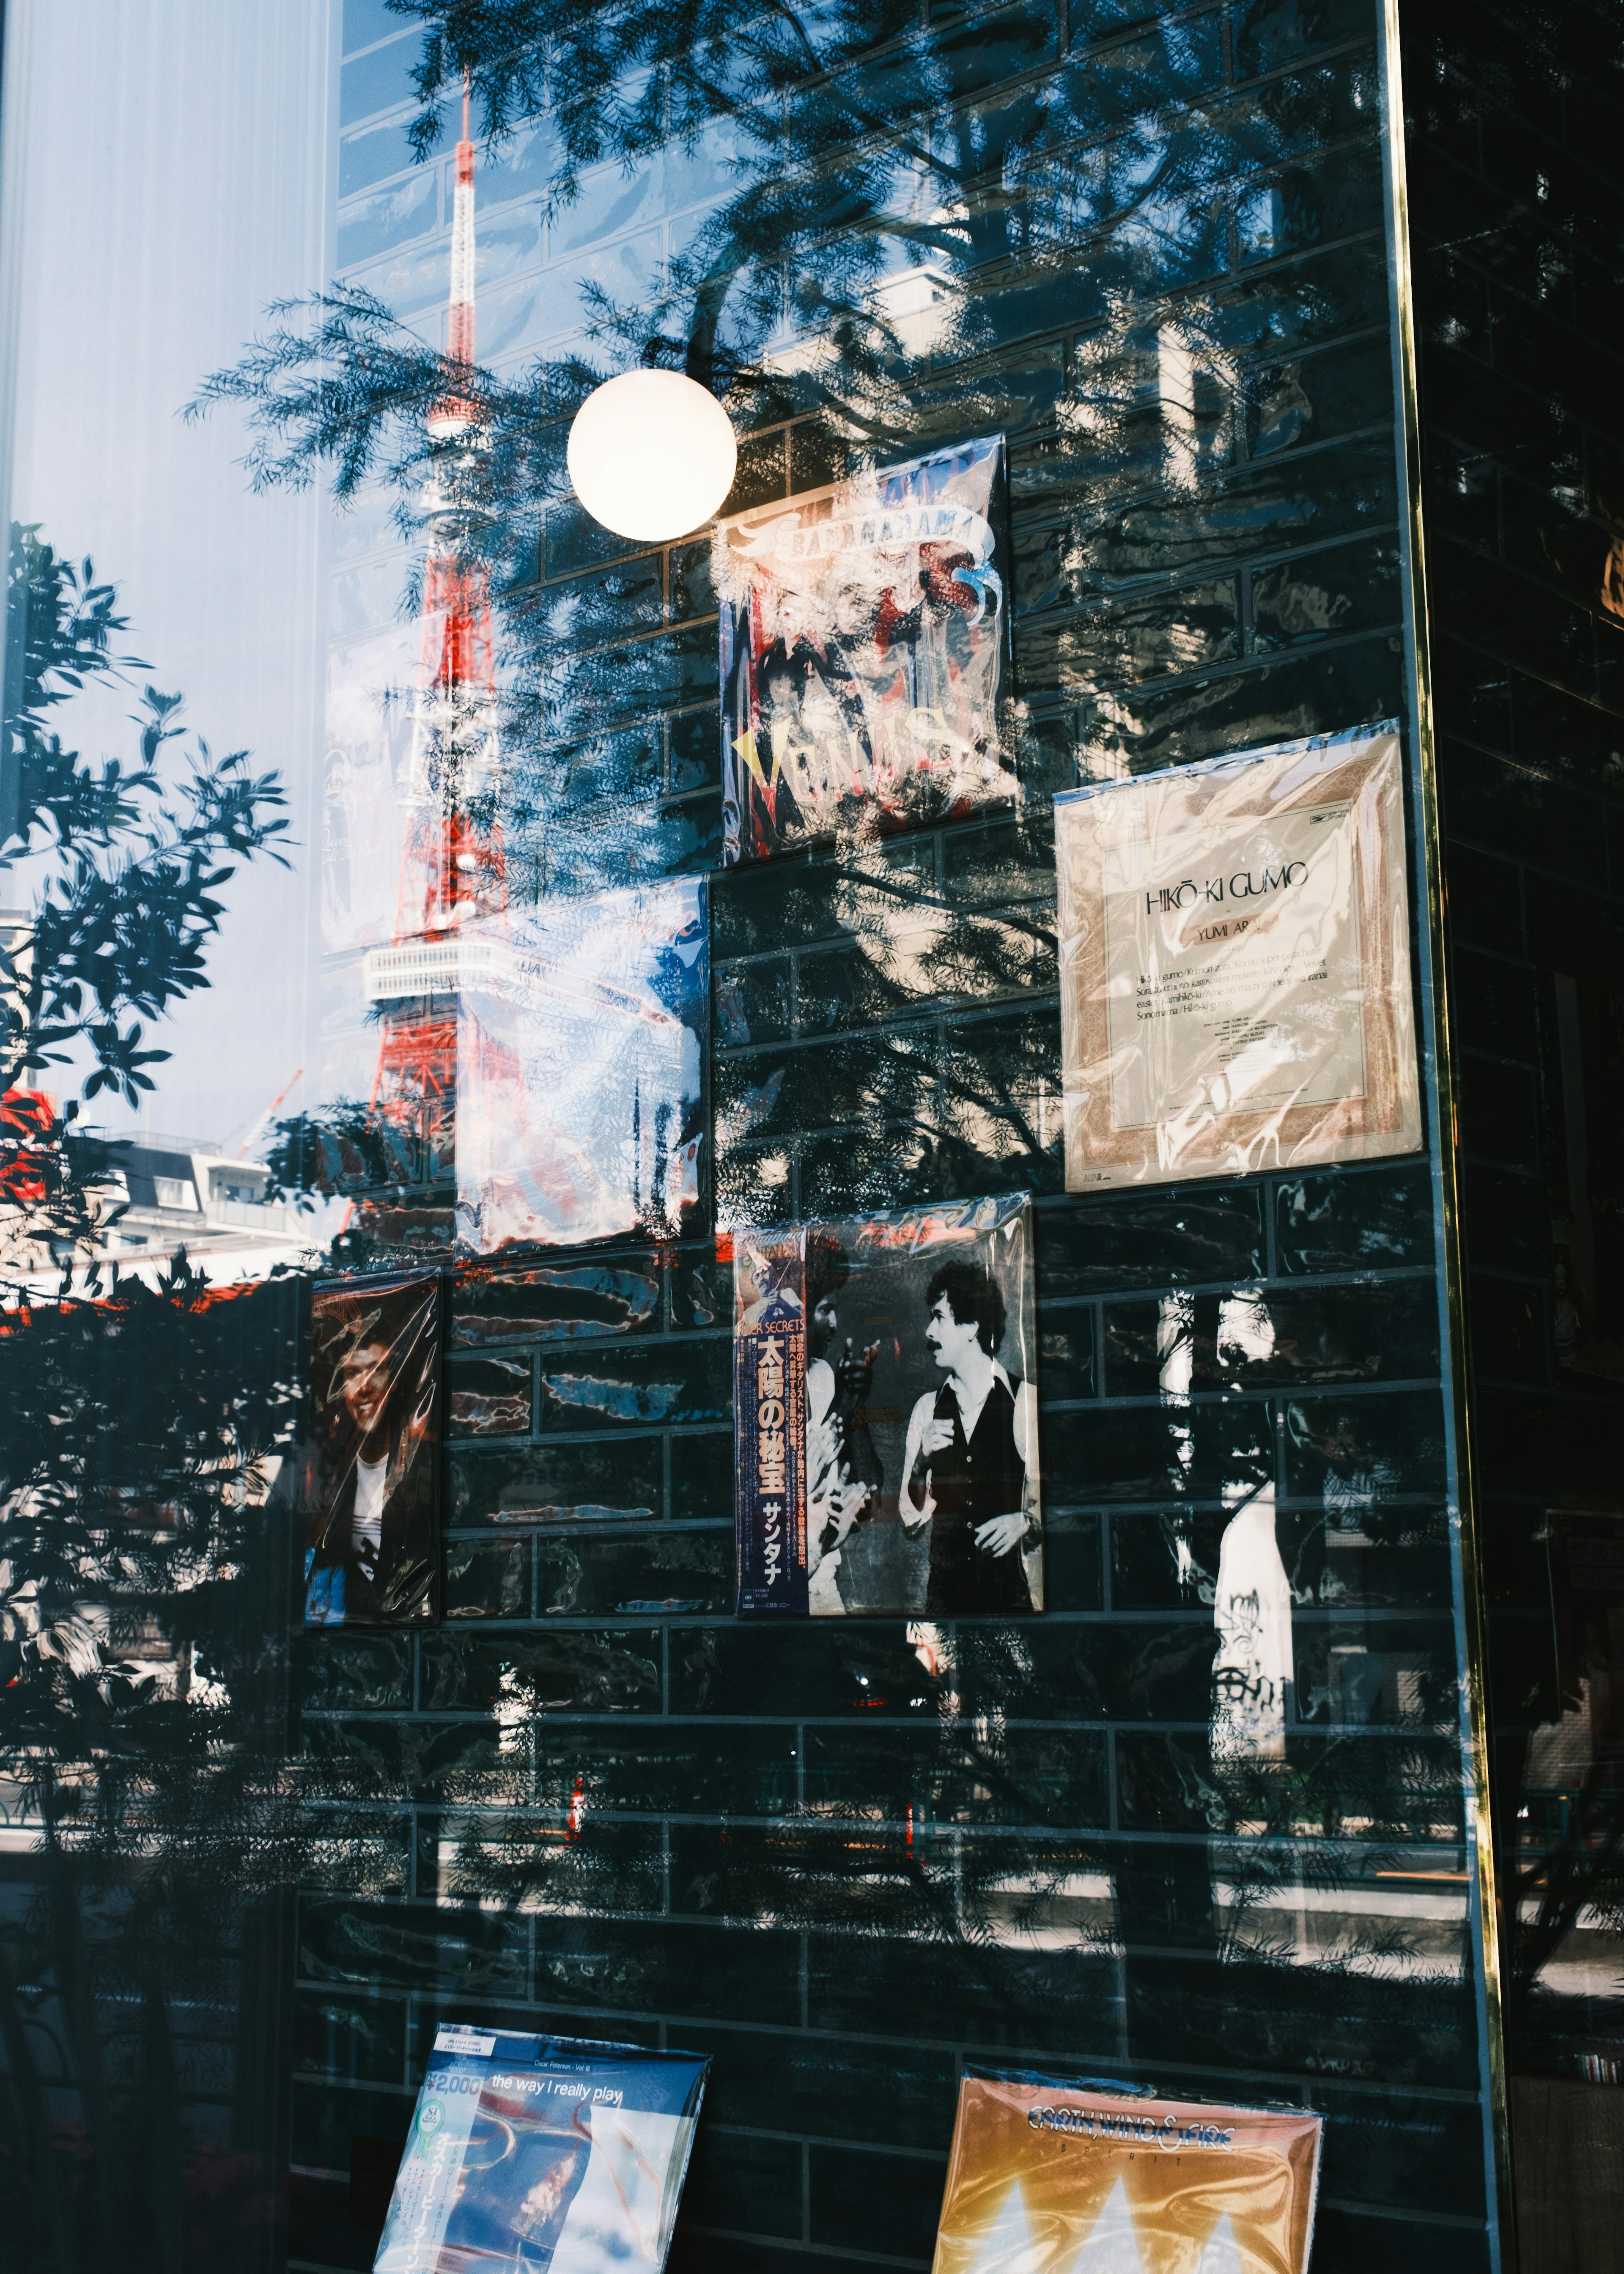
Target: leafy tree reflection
892 204
128 862
143 1593
901 207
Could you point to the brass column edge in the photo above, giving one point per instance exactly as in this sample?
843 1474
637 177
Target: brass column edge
1446 1098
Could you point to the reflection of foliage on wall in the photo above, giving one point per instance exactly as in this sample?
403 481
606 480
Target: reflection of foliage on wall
140 1703
395 1168
866 148
344 1147
144 1594
893 205
128 858
896 201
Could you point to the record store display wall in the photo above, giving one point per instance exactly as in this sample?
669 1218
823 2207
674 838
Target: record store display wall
612 972
839 1856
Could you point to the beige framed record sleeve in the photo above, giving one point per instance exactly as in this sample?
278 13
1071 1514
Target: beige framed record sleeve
1236 989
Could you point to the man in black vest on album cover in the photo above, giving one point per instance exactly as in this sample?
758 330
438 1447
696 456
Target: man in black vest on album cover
964 1466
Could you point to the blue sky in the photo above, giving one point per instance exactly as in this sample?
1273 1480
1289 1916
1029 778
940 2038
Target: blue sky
177 157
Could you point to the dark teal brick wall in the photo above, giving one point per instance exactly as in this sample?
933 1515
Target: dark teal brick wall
1515 180
598 1801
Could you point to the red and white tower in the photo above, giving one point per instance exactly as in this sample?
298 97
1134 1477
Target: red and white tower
451 865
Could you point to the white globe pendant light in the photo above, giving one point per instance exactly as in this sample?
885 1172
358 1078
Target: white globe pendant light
651 455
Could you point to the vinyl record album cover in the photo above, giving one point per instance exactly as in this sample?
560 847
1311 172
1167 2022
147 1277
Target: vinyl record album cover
885 1417
1236 989
370 1481
865 633
534 2152
580 1092
1051 2177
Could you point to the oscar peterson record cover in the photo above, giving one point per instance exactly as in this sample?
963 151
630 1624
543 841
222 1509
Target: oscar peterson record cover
1052 2177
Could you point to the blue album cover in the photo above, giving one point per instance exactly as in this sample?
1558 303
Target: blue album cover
532 2152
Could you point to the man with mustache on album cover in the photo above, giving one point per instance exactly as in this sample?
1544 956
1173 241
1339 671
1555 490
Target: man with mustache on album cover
965 1465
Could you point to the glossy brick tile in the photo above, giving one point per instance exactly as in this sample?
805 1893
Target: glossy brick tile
664 1573
639 1386
544 1302
565 1671
796 2083
552 1483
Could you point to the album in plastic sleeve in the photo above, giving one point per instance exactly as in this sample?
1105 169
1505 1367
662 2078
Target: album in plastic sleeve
368 1475
1235 981
580 1105
1054 2178
542 2152
865 653
885 1414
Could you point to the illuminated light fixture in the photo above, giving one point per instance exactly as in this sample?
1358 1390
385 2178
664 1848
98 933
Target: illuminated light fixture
651 455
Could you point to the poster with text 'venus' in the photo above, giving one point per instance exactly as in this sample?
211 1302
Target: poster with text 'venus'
540 2152
1236 987
886 1436
1052 2177
580 1099
865 653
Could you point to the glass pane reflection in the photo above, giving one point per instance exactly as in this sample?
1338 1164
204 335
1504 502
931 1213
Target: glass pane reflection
1202 1825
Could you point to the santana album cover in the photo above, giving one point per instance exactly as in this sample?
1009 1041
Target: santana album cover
1235 965
580 1089
370 1468
885 1414
865 634
1051 2177
530 2152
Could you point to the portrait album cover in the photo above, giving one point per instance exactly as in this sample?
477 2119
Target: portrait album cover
885 1414
865 653
1047 2177
580 1092
1235 975
369 1480
535 2152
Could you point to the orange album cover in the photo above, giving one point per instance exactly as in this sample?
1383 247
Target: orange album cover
1047 2178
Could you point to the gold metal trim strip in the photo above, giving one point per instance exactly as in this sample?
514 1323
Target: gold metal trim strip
1446 1099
